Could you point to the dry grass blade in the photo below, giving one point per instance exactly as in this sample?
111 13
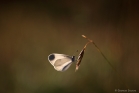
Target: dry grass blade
91 41
80 56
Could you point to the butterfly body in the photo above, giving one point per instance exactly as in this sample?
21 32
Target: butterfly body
61 62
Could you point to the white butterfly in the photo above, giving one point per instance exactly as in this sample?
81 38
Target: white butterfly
61 62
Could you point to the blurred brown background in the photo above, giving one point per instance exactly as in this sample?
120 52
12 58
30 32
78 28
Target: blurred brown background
30 31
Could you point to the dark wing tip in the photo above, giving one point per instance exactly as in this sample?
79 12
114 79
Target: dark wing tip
51 57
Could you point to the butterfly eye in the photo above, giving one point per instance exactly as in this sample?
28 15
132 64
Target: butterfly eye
73 58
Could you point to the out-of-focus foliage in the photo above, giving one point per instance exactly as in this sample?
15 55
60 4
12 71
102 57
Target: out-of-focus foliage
29 32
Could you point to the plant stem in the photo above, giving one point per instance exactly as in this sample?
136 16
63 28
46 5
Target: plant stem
91 41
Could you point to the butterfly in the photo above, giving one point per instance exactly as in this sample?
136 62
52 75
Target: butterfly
61 62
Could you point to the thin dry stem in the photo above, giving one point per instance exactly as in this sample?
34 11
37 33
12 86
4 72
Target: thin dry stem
91 41
80 56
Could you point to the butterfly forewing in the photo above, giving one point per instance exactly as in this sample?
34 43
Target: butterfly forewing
61 62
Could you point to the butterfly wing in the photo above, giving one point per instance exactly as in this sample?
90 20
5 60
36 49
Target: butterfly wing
60 62
55 56
63 64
